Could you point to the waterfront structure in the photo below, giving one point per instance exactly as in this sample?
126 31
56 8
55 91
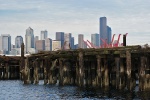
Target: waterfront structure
60 37
5 43
40 45
95 39
109 34
44 35
18 41
56 45
80 41
48 44
29 39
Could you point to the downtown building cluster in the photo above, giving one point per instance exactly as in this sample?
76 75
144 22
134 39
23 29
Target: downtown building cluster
34 44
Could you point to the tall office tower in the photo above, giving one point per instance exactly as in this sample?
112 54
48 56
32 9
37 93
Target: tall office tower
35 39
72 43
60 37
48 44
80 41
18 41
29 39
43 35
95 39
109 34
5 43
103 29
40 45
56 45
67 40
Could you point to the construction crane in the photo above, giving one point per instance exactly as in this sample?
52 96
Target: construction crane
116 45
87 44
112 40
92 45
104 43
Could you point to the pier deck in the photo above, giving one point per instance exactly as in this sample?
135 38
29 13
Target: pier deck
118 67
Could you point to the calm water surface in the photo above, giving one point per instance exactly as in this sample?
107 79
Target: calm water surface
15 90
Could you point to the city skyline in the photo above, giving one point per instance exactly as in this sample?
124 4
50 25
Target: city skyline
76 17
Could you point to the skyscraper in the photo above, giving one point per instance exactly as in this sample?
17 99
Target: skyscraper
109 34
29 39
40 45
67 40
60 37
35 39
5 43
72 43
48 44
43 35
18 41
80 41
95 39
103 29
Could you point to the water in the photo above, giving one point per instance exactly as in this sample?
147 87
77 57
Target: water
15 90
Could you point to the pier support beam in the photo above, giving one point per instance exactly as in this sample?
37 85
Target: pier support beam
26 72
45 71
81 69
36 74
106 74
99 73
130 81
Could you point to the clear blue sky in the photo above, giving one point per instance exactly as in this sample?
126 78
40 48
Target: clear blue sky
76 17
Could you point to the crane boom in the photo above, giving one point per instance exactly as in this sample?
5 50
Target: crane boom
86 43
118 40
112 40
92 45
104 42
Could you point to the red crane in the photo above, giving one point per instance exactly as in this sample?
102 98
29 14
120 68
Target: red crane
92 45
116 45
87 44
112 40
104 43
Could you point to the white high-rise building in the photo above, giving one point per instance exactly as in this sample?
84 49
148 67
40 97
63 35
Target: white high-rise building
5 43
67 40
29 39
43 35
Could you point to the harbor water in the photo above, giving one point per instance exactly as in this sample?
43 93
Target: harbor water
16 90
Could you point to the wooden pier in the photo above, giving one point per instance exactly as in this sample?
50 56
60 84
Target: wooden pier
118 68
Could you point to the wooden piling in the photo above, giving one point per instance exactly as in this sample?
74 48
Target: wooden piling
81 69
36 74
99 71
128 72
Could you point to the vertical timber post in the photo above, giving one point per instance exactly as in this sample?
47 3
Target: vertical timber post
45 71
106 74
22 62
60 71
128 65
142 74
99 71
81 69
36 76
